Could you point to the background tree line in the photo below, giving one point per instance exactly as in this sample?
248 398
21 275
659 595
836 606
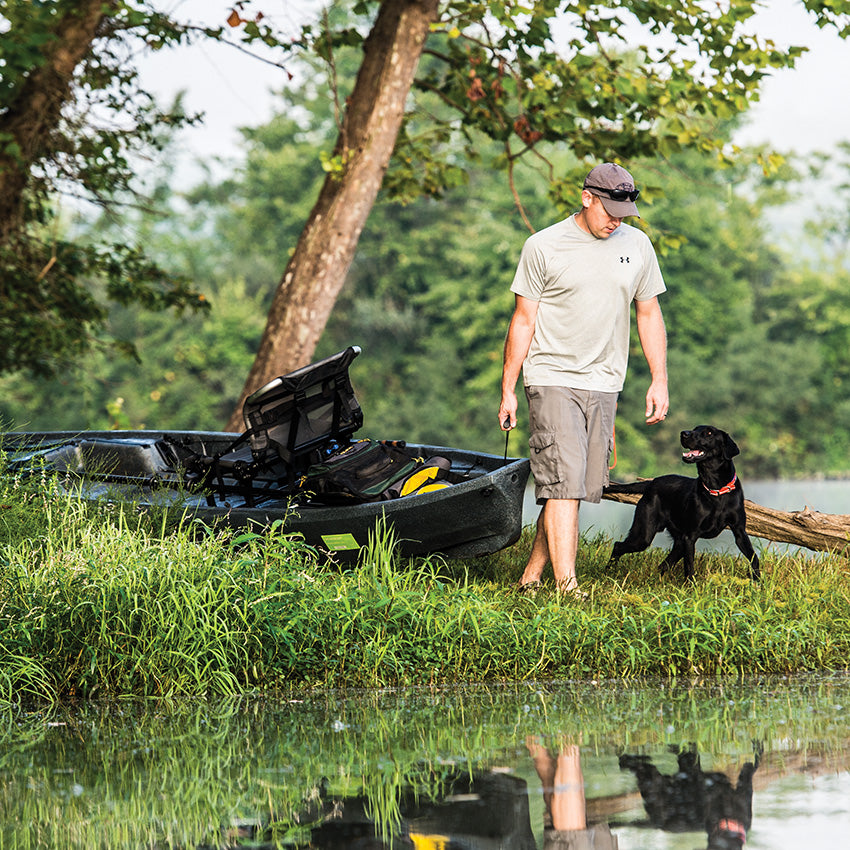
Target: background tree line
758 335
603 80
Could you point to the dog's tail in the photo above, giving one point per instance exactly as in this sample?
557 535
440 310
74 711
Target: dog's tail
638 487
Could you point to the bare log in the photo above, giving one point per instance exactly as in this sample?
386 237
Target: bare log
807 528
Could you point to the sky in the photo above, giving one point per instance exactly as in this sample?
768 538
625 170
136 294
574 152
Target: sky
232 89
801 109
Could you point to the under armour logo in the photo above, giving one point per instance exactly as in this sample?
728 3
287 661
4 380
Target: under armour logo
624 259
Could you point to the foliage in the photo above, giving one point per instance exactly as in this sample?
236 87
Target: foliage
428 299
260 224
605 83
730 362
625 80
47 319
186 374
74 123
86 149
757 337
621 81
732 359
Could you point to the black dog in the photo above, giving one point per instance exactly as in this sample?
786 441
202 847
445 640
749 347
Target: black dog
692 799
691 508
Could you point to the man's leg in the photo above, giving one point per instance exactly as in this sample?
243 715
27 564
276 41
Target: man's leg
539 556
560 520
556 541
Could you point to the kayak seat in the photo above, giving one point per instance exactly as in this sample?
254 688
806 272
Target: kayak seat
372 471
294 416
298 440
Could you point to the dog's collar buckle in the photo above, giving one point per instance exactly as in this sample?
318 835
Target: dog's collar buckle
727 489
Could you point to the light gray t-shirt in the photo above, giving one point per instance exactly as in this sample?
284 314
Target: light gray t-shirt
585 287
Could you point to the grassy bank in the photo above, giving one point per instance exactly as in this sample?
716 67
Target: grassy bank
99 601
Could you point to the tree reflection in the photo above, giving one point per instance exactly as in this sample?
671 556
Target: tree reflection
521 766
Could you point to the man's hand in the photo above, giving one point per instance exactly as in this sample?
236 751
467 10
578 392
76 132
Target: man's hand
507 411
657 402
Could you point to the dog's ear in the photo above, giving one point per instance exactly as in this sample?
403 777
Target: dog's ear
730 449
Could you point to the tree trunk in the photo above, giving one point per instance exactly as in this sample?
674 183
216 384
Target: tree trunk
35 113
807 528
317 270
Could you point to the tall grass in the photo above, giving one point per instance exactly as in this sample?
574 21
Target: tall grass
107 601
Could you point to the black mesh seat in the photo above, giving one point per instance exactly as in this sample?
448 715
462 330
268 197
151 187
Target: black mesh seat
290 423
308 409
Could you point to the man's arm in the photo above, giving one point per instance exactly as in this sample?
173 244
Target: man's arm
517 343
653 341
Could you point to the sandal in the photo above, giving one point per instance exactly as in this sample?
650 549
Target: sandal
574 591
530 588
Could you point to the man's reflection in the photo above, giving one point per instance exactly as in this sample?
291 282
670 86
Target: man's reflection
692 799
565 819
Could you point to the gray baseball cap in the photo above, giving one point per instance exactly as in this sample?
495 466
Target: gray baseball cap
615 187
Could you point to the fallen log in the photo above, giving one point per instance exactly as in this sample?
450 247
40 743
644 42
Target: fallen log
807 528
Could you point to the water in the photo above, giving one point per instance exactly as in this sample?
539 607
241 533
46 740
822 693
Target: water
463 767
613 519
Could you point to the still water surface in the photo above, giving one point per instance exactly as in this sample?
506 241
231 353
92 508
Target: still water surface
525 766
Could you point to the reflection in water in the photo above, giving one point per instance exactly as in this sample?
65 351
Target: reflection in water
564 797
691 799
486 811
524 766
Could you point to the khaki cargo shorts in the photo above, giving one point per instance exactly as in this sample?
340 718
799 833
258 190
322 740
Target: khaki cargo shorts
572 435
597 837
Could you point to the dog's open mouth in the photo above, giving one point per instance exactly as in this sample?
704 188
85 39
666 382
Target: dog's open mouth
692 454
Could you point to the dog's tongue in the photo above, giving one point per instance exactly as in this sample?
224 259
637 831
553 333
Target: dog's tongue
692 453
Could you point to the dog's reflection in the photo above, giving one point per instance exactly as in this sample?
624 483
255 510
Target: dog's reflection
692 799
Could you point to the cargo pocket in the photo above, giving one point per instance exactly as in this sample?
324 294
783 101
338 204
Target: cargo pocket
545 465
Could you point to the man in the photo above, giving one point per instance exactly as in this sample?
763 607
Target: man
569 334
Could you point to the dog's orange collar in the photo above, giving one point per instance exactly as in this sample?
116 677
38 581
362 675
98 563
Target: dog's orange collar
727 489
734 827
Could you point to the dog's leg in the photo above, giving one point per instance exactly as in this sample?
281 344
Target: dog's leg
640 535
744 787
688 558
746 546
632 543
641 766
673 556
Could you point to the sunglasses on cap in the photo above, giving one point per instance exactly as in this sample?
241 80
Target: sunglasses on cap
618 194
